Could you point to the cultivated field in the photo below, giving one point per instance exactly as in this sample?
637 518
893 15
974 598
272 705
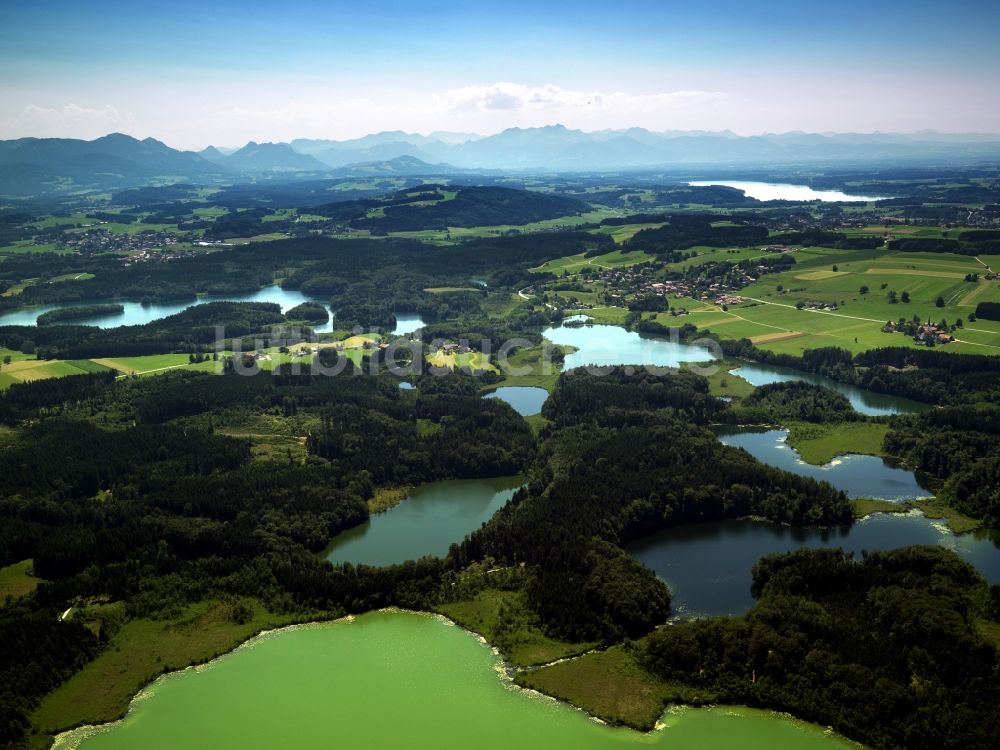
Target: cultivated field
771 320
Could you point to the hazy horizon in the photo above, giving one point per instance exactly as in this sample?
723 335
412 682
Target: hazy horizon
728 132
227 73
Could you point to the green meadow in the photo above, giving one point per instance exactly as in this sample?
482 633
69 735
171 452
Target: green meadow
455 234
821 443
27 370
16 580
27 246
576 263
770 317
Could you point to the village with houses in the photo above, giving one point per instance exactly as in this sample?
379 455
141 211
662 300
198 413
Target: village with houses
138 246
632 286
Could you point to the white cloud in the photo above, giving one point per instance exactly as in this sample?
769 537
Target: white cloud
70 120
504 95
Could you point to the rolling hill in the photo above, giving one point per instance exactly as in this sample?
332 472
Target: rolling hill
272 157
30 166
441 207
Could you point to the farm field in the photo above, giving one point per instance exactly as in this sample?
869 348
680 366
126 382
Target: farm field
24 369
771 320
705 255
575 263
27 246
39 369
476 361
456 234
624 232
153 363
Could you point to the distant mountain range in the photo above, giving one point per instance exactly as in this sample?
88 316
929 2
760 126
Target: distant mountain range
33 166
29 166
262 158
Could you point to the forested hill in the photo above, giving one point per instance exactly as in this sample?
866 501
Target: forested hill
440 207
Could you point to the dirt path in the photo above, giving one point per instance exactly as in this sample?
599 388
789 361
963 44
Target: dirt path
818 312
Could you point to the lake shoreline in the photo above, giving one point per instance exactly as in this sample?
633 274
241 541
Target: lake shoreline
72 737
507 670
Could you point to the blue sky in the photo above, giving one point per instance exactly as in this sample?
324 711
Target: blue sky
196 73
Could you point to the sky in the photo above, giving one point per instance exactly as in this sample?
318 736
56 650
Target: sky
198 73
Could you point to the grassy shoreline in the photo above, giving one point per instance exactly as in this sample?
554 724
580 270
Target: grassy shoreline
143 650
819 444
958 522
387 498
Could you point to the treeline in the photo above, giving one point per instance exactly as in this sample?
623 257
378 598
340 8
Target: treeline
884 650
445 436
955 445
367 282
440 207
75 313
47 397
923 374
312 312
156 282
988 310
193 329
38 652
688 230
793 400
967 244
826 238
959 446
628 455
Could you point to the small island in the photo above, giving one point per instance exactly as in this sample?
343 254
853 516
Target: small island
311 312
79 313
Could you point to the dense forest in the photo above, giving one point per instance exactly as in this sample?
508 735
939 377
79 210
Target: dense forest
687 230
368 281
777 402
440 207
193 329
75 313
625 456
149 506
885 650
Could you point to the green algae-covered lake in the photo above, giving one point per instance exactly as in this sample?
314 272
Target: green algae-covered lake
397 680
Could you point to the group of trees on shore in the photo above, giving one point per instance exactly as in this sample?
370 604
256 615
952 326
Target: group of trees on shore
795 400
885 650
927 375
193 329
